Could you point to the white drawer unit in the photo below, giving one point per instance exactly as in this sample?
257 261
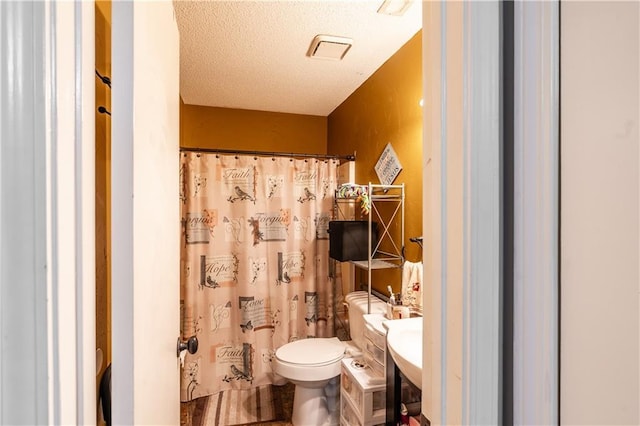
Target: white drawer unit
371 332
376 353
349 418
362 394
377 368
375 343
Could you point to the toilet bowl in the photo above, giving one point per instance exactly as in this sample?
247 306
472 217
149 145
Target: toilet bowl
310 364
313 365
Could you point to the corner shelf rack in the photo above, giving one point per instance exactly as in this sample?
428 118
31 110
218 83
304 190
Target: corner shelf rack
378 195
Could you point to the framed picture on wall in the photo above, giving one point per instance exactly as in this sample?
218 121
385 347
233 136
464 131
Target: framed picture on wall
388 166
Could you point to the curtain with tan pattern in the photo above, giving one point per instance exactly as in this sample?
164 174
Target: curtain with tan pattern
254 262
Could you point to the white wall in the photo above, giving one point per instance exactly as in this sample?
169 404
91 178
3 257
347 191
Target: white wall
599 213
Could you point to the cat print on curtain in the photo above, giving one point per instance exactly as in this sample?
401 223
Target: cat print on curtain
254 264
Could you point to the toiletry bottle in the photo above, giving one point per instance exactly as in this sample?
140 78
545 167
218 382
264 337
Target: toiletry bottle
390 303
404 415
405 312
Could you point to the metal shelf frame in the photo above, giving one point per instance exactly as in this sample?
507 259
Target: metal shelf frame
377 258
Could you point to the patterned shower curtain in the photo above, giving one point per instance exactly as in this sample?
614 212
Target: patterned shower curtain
254 264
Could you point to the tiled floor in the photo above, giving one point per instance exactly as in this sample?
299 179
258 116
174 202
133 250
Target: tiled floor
285 395
283 404
276 423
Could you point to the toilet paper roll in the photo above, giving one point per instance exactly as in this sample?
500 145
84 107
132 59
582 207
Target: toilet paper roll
183 355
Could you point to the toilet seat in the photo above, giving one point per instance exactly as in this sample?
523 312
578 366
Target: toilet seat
310 359
310 352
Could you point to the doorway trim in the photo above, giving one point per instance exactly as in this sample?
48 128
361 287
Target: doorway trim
47 354
536 212
463 212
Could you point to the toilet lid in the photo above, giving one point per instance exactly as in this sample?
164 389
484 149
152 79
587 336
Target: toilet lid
312 351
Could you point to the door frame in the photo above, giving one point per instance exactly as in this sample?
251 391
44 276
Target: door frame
463 205
535 276
475 210
47 369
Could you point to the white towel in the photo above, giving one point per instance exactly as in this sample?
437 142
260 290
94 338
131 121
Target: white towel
412 284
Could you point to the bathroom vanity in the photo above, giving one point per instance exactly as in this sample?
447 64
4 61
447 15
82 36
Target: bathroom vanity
404 368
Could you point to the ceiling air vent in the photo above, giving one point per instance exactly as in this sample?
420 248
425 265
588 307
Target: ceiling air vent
329 47
394 7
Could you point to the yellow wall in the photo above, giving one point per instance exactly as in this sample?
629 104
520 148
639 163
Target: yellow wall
386 109
245 130
103 178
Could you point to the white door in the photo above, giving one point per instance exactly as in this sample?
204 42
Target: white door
145 213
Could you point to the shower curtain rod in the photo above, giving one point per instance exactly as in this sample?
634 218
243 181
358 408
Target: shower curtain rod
350 157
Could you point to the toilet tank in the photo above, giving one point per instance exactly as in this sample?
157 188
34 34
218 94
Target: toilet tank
357 303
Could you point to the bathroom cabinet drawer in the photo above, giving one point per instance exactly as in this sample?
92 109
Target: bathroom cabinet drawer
348 416
376 367
377 353
363 391
376 338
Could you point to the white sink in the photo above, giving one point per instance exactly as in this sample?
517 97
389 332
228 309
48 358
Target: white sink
404 340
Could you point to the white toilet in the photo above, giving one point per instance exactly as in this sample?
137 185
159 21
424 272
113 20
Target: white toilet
313 365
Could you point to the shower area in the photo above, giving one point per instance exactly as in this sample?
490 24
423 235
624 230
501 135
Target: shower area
254 263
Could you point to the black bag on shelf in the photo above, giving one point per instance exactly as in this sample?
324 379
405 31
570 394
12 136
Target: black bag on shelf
348 239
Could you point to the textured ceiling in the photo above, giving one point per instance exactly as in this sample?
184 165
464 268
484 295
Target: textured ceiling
252 54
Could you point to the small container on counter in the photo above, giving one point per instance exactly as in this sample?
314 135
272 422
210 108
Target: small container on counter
404 415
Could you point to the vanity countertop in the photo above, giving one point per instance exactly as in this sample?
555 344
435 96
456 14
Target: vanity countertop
376 322
414 322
